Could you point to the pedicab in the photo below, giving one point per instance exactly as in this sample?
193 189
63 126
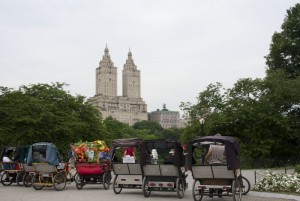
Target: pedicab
12 171
128 173
215 179
49 169
92 164
163 175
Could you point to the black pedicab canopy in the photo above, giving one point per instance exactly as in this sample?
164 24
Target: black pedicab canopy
7 151
130 142
15 153
43 152
232 149
148 145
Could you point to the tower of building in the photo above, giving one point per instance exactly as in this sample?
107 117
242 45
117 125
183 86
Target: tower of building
131 79
128 108
106 76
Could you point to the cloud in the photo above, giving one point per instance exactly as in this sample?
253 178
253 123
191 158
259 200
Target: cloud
180 47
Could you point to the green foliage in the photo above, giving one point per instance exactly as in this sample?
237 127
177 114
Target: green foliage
172 133
263 113
45 112
285 47
117 130
297 169
258 112
151 126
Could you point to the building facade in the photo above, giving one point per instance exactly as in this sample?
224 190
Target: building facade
129 107
166 118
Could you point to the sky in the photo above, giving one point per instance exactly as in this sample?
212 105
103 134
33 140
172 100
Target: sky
179 46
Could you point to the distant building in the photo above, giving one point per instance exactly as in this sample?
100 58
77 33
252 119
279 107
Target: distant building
128 108
166 118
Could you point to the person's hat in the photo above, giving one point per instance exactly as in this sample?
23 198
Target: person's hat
172 151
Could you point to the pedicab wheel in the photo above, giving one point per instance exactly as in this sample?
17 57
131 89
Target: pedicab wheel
117 189
19 178
145 187
6 179
180 188
78 181
245 186
106 180
236 189
59 181
27 180
196 191
37 183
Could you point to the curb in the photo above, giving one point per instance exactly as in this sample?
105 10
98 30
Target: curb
273 195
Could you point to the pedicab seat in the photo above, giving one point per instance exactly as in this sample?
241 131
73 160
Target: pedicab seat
212 172
44 168
127 168
160 170
28 168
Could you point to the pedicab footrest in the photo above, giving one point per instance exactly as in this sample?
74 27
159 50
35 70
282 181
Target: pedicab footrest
87 168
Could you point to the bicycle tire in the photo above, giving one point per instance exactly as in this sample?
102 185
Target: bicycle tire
245 185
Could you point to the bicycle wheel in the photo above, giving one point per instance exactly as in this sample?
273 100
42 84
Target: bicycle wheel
196 191
78 181
145 187
6 179
116 187
59 181
236 189
37 182
19 178
245 185
180 188
27 179
106 180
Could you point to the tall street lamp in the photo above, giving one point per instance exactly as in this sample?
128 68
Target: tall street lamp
202 121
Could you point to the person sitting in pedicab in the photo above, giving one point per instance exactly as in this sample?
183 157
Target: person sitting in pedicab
128 151
128 155
215 155
170 158
6 159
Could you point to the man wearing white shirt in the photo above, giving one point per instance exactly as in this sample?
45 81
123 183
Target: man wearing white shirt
5 159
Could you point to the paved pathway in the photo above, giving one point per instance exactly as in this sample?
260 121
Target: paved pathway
93 192
97 192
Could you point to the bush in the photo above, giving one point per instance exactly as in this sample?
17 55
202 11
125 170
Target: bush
279 182
297 169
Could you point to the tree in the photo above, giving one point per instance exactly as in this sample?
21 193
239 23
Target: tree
285 47
117 130
43 112
151 126
253 112
263 113
171 133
